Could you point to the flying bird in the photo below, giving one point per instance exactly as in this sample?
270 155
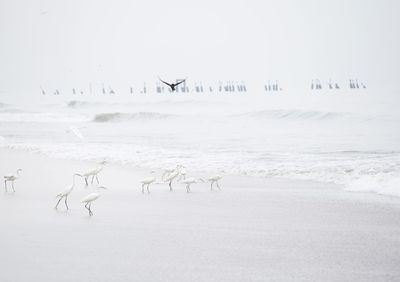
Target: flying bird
172 85
75 130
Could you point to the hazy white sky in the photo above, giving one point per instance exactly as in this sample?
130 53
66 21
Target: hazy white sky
72 42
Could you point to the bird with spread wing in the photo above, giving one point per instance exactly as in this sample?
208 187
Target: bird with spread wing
172 85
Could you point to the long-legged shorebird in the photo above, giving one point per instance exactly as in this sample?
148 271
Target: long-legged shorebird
94 172
65 193
189 181
214 179
11 178
147 181
169 176
91 198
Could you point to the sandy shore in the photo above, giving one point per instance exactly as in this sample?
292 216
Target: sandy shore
254 230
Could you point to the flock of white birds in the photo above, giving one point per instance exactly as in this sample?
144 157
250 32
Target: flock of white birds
177 174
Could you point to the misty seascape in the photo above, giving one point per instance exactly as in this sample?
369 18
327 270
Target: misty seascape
201 141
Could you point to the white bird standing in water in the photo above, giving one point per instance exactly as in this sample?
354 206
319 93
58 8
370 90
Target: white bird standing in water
182 174
11 178
75 130
214 179
170 176
94 172
189 181
65 193
167 171
91 198
147 181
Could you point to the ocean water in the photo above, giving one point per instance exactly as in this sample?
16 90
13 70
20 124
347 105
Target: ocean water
353 141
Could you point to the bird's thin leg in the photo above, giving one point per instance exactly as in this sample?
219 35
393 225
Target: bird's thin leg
87 184
65 201
97 179
90 209
188 188
218 186
92 179
148 191
58 202
86 206
143 188
5 185
170 186
12 184
212 185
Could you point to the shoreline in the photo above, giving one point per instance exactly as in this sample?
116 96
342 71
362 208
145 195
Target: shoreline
255 229
85 164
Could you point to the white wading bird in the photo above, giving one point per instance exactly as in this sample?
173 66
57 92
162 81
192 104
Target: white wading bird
182 173
170 176
75 130
214 179
167 171
189 181
91 198
11 178
65 193
94 172
147 181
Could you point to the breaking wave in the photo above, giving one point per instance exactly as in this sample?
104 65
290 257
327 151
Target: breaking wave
85 104
123 117
357 151
359 172
296 115
75 104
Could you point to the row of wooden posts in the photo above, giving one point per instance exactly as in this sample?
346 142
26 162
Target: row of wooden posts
200 87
